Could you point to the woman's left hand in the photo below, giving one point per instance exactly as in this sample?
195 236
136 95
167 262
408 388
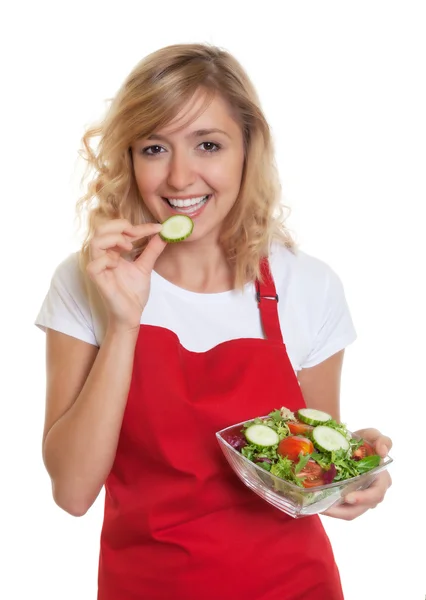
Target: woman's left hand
357 503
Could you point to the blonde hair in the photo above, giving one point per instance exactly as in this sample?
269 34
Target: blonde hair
150 98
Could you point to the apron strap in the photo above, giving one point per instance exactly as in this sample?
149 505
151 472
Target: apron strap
267 299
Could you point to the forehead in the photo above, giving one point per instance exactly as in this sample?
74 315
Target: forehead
201 112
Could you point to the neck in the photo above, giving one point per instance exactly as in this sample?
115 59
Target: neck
196 266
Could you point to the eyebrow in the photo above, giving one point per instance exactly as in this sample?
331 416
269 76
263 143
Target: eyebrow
195 134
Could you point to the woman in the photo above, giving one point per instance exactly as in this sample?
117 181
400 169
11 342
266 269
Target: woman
153 347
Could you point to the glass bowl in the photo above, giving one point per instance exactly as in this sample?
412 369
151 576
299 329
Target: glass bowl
284 495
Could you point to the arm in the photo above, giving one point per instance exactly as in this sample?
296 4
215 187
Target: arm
87 388
320 387
86 397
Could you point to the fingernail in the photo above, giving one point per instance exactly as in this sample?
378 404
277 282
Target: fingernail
350 500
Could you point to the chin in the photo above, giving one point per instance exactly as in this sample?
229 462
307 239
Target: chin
204 234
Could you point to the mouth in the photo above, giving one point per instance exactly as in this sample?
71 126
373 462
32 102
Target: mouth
189 206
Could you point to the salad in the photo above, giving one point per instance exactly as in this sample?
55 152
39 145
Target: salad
308 448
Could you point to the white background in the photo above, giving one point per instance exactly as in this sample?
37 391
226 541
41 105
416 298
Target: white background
343 87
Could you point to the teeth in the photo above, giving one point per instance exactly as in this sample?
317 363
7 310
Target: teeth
190 202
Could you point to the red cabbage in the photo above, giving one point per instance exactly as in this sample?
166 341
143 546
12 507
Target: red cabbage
236 440
330 474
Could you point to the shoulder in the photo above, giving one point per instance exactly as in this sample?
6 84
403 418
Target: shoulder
313 310
301 271
68 271
69 279
68 306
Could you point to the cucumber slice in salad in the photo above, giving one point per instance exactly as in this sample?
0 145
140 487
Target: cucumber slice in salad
328 439
261 435
311 416
177 228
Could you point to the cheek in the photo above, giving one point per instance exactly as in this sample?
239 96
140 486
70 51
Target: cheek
226 176
148 177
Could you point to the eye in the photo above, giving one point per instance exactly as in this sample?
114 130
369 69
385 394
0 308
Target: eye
210 147
152 150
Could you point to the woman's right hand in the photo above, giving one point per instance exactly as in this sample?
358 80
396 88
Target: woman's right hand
123 285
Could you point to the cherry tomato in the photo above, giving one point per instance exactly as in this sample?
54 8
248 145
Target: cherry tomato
292 446
298 428
313 474
364 450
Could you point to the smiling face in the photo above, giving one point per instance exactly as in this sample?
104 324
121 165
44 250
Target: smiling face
194 168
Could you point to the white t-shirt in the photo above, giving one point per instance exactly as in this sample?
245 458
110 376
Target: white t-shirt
313 312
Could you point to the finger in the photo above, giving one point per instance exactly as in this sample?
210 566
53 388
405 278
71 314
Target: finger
373 495
146 261
112 226
124 226
106 242
122 239
345 512
370 434
132 232
106 261
99 245
383 445
143 230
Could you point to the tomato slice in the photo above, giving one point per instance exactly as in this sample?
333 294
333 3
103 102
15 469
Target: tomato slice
293 445
298 428
313 474
364 450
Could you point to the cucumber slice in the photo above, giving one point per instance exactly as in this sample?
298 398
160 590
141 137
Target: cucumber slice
310 416
328 439
177 228
261 435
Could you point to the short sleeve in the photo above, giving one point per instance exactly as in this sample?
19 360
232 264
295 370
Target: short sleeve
334 330
66 307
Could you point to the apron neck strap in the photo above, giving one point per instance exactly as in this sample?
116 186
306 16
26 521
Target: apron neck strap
267 299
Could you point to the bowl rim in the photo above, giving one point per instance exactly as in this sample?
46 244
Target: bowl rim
386 461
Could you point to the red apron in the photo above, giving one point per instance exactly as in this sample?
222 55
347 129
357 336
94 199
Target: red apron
179 524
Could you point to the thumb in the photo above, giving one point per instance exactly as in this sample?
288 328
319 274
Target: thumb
383 445
146 261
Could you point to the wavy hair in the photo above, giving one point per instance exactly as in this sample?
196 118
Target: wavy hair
149 99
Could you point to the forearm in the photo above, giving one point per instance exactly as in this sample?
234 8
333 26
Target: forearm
80 448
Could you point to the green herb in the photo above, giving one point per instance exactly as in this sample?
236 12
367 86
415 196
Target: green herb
276 416
303 459
264 465
368 463
340 427
283 468
324 460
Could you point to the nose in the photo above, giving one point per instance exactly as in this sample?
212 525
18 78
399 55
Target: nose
181 174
